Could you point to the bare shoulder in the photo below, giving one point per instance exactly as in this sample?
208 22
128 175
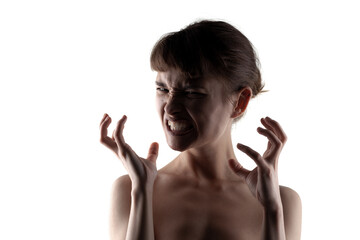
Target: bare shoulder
120 207
292 212
122 183
289 195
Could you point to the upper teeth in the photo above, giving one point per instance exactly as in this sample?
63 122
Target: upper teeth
177 126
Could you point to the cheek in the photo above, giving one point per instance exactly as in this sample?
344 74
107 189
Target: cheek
159 105
214 117
204 114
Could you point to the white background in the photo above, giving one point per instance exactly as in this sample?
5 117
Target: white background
63 64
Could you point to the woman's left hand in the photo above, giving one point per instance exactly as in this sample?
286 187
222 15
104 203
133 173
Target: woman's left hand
263 180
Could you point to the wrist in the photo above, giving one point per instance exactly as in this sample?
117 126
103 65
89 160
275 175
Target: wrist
273 203
273 209
138 189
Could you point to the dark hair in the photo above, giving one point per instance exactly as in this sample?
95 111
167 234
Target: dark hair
210 47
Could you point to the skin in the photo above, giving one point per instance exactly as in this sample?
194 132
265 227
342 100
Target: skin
204 193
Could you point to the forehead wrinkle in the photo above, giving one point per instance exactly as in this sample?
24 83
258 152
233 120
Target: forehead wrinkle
175 81
182 82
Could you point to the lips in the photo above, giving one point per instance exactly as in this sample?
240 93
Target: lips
179 127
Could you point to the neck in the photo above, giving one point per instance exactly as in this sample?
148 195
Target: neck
208 162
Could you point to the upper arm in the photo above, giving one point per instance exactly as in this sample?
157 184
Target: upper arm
120 207
292 213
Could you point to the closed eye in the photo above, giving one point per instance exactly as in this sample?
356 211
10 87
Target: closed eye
161 89
193 94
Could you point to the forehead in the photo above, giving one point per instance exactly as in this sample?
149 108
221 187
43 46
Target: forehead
176 79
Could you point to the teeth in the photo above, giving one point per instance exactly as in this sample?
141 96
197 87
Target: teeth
178 126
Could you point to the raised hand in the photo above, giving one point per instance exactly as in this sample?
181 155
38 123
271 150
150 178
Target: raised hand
263 180
142 172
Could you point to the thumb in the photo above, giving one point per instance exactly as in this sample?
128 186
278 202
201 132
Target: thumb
238 169
153 152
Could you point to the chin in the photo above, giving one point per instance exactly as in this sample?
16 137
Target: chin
178 148
179 145
180 141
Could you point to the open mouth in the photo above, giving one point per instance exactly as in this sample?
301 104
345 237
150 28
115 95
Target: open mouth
179 127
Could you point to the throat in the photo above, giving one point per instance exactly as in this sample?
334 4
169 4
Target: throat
208 168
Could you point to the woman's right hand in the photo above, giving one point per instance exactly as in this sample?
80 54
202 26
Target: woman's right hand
142 172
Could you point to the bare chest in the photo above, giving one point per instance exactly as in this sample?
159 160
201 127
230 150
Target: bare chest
196 213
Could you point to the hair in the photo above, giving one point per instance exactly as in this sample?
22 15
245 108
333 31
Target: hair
210 47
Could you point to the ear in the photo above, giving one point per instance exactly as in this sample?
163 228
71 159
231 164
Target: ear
241 102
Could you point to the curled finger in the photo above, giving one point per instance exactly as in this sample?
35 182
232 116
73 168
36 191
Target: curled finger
105 117
118 135
252 154
272 137
274 145
276 128
104 139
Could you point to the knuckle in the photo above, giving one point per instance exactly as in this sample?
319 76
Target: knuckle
116 138
122 153
102 140
275 122
278 143
258 157
266 171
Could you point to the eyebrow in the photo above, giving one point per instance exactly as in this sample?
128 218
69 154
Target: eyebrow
188 86
160 84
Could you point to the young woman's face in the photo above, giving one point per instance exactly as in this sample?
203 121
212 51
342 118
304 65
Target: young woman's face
193 112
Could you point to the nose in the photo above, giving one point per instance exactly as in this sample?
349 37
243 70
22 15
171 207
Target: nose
173 104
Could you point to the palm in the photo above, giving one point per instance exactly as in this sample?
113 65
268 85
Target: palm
263 180
141 170
137 166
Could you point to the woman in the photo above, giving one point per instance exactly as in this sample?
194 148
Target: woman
207 73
